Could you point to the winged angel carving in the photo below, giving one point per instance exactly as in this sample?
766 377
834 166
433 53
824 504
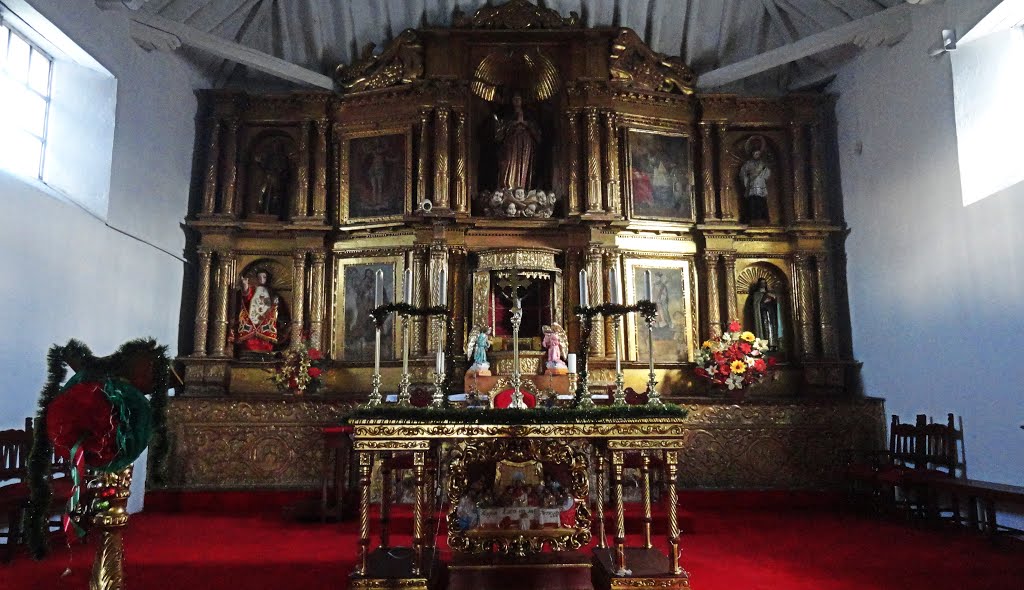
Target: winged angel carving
476 350
557 345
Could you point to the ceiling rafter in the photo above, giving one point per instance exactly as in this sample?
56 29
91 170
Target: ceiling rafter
259 15
216 12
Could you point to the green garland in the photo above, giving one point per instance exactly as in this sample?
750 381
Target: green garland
511 417
77 355
380 315
647 309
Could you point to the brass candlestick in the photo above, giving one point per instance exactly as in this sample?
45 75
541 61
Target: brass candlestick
619 398
404 396
653 397
375 396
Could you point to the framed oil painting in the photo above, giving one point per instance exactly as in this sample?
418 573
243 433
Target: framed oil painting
673 335
660 175
376 181
354 331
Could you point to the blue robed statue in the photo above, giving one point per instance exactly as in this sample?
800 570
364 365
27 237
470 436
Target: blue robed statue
476 350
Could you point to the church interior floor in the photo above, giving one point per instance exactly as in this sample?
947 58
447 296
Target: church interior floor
723 549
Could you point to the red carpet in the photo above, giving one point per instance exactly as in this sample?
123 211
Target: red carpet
810 549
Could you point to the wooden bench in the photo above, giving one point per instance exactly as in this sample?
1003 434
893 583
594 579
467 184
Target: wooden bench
982 499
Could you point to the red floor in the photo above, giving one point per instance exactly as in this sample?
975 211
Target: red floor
811 549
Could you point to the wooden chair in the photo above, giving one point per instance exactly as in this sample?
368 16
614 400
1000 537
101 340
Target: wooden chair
882 471
334 475
940 457
14 495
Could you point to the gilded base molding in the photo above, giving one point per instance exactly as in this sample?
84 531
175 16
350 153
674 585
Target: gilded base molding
224 443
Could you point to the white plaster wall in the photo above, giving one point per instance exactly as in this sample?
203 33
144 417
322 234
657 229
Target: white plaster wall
70 275
936 288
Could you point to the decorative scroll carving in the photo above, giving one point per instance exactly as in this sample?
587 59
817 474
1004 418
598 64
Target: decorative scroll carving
635 65
400 63
521 258
514 15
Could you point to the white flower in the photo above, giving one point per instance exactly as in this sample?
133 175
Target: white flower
727 337
734 381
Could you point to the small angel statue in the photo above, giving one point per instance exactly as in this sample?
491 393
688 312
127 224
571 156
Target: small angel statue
557 345
476 351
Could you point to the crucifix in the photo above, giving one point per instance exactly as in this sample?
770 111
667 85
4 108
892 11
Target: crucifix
513 284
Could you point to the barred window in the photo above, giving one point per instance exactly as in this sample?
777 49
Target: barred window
25 80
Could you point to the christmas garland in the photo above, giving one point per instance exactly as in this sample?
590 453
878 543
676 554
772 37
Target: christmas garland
509 417
647 309
117 375
380 315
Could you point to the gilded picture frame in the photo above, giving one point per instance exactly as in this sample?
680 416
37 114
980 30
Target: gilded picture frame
353 331
375 183
658 175
675 327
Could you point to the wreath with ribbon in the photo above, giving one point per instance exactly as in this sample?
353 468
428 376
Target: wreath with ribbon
99 420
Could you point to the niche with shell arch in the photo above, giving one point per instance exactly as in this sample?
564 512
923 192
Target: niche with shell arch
252 341
765 171
271 176
778 286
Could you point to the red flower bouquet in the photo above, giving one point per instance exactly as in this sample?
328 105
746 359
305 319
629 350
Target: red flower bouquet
300 372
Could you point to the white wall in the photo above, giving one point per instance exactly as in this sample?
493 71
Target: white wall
936 288
69 275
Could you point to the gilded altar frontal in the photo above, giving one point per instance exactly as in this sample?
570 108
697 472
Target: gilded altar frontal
516 147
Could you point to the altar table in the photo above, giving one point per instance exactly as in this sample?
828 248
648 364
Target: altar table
593 445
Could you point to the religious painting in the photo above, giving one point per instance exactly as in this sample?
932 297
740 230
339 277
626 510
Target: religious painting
377 180
354 330
672 335
660 176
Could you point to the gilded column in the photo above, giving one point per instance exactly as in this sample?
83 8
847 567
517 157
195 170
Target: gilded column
572 162
202 303
613 196
230 175
461 180
707 132
799 172
423 166
595 276
671 461
225 275
481 299
418 460
441 149
620 515
417 332
365 459
611 260
316 299
301 202
804 304
726 194
729 260
212 157
818 200
320 168
826 298
438 260
298 298
594 188
714 300
645 475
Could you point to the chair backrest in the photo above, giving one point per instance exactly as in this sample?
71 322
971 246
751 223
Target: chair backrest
903 441
941 447
15 446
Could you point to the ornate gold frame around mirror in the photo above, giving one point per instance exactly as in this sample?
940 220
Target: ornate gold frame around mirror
518 543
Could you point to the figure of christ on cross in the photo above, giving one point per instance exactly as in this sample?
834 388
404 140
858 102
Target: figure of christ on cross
513 284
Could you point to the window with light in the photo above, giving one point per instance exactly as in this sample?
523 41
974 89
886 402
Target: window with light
26 72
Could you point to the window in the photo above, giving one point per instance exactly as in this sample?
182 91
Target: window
25 94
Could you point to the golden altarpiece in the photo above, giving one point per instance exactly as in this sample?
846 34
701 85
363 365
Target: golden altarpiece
516 141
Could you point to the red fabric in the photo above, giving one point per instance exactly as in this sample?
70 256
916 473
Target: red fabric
84 413
337 430
503 399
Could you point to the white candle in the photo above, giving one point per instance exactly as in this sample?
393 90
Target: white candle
584 299
650 285
408 286
613 285
572 362
378 288
442 280
440 362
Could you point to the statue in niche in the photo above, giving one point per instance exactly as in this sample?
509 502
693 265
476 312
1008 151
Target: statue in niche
476 351
259 324
754 174
764 307
273 167
557 345
517 139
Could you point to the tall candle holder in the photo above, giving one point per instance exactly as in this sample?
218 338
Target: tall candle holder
378 298
619 397
653 397
404 396
514 283
581 394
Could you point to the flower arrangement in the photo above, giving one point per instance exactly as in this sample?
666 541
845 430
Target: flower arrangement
735 359
300 372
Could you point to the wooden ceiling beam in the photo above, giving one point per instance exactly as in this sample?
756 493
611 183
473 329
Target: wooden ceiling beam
805 47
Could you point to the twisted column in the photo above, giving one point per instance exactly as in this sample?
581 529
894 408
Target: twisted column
714 300
799 171
613 198
595 276
212 157
417 513
645 473
298 298
729 261
202 303
423 163
594 186
819 205
805 304
602 470
300 204
365 462
708 131
826 298
225 275
572 161
461 196
441 149
620 516
230 174
671 460
320 171
726 195
316 299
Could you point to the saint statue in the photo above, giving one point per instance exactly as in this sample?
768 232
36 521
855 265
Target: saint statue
764 307
555 342
517 140
476 351
755 173
274 164
258 316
